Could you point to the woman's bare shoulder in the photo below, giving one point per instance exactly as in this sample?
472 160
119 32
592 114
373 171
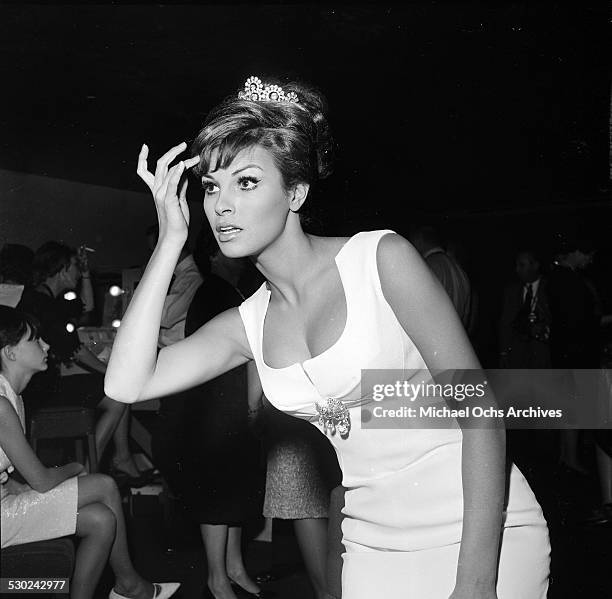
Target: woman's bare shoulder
396 252
405 278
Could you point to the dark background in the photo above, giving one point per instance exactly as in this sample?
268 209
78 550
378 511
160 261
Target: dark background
488 119
437 106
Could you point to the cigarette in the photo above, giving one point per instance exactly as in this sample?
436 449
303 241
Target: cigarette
87 249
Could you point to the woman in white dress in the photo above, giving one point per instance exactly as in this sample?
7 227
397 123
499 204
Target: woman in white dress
426 515
57 502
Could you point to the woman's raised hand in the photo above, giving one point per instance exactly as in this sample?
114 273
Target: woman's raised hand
170 202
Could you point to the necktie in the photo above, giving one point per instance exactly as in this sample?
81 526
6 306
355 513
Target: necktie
528 298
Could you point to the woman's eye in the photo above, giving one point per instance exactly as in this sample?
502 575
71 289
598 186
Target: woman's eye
209 187
248 183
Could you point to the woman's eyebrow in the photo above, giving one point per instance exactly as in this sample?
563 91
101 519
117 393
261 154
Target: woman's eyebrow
245 167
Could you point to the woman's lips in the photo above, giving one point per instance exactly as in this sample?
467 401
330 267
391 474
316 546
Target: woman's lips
228 233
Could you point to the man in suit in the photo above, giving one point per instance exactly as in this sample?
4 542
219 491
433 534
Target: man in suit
525 320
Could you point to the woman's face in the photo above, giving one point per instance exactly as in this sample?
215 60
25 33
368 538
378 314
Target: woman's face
31 354
246 203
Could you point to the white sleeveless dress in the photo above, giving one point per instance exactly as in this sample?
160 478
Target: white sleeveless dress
31 516
404 499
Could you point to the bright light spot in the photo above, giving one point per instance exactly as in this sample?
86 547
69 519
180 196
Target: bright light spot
70 295
115 290
70 327
116 323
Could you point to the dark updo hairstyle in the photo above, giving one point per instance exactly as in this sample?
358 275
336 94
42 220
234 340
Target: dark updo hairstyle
297 135
14 324
49 259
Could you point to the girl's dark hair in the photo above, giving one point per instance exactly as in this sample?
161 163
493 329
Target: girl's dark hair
14 324
296 134
49 259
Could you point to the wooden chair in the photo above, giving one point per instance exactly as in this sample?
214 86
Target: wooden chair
67 422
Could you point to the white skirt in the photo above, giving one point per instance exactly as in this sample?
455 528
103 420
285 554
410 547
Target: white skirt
33 516
430 573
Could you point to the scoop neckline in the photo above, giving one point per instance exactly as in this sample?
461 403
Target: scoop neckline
333 345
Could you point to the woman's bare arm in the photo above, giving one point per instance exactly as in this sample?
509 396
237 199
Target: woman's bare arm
216 347
22 456
428 317
85 357
135 372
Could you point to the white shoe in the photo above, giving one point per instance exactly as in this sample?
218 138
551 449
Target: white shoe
163 590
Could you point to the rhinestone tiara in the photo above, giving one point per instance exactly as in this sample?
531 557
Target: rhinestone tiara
257 91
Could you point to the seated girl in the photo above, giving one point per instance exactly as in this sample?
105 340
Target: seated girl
59 501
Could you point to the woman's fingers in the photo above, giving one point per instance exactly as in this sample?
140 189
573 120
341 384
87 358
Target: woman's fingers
174 176
191 162
183 200
183 165
165 183
161 191
142 169
162 164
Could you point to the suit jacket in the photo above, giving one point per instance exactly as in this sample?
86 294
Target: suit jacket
525 347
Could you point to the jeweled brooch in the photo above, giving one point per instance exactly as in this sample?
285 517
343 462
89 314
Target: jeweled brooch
334 416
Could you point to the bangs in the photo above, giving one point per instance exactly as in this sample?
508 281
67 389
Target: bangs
26 325
224 149
16 325
32 325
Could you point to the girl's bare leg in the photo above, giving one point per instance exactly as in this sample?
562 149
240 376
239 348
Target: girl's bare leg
99 488
234 563
214 537
96 526
335 548
311 534
111 413
122 457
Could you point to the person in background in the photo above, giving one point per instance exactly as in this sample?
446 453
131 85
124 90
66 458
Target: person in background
204 449
525 318
151 233
58 272
576 343
186 280
448 271
55 502
575 308
574 331
301 472
15 272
